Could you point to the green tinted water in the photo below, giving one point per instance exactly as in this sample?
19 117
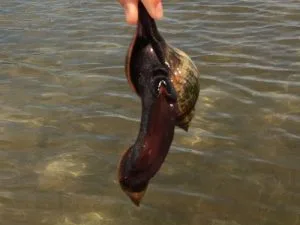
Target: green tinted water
67 114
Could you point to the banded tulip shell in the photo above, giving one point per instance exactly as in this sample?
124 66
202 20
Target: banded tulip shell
168 83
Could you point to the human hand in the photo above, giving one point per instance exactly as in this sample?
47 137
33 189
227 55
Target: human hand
154 7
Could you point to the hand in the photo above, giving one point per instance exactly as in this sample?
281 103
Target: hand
154 7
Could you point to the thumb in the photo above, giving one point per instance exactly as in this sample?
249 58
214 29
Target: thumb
154 7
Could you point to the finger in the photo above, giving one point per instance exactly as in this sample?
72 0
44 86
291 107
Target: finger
122 2
131 10
154 7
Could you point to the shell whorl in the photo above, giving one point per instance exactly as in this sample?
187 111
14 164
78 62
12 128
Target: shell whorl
186 80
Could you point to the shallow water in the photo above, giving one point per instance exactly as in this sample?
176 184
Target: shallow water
67 114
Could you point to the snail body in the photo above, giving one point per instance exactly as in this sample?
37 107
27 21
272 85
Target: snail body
167 81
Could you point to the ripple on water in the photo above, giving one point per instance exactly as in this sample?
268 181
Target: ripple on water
67 114
61 172
84 219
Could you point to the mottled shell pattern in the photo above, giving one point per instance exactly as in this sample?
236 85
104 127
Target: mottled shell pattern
186 80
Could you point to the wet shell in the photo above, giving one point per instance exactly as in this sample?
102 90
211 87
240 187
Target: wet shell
186 80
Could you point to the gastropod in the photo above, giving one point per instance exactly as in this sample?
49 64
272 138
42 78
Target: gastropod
168 83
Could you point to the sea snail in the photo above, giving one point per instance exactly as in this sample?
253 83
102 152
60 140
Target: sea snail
167 81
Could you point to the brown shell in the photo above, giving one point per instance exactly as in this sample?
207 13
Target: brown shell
186 80
183 72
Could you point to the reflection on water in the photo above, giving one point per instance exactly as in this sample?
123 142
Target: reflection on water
67 114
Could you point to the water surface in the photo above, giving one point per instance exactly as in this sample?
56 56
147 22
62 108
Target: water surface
67 114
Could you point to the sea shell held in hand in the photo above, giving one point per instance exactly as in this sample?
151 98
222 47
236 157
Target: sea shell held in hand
168 84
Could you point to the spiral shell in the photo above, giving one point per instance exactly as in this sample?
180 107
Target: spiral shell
168 84
186 80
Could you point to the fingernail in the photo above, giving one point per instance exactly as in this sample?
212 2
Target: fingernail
159 11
